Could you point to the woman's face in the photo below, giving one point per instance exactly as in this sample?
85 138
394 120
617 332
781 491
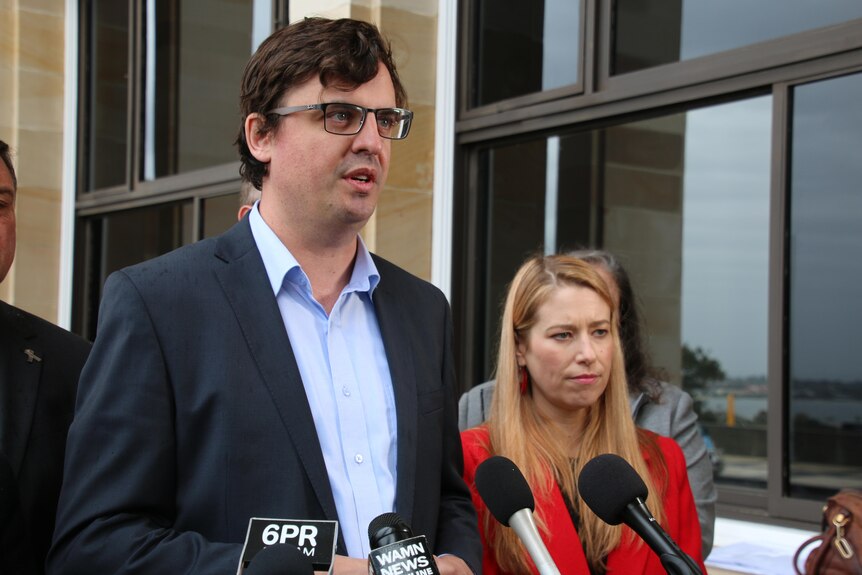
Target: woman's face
568 352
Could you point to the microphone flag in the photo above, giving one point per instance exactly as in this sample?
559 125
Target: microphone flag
316 539
406 557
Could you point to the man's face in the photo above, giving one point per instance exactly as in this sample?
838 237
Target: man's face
321 181
7 221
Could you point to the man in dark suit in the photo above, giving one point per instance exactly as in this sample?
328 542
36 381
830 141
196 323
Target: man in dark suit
279 370
39 368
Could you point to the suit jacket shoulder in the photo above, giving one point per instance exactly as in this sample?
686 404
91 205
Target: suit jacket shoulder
396 278
475 405
673 416
29 327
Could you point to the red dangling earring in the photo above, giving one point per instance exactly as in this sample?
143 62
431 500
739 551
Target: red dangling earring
524 379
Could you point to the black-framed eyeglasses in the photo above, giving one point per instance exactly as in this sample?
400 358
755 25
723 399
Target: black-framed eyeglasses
348 119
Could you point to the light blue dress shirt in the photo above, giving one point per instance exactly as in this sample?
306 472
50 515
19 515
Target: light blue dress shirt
346 377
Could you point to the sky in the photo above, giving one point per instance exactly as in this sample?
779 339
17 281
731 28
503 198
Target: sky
725 232
710 26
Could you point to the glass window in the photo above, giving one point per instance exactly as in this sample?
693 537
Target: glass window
825 375
524 47
649 33
105 126
133 236
532 185
220 213
121 239
683 200
725 256
194 55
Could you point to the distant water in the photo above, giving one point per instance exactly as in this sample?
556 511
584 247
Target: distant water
833 412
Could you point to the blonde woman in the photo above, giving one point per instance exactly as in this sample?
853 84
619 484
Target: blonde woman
561 399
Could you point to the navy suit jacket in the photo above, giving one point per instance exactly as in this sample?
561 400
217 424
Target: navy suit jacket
192 418
39 368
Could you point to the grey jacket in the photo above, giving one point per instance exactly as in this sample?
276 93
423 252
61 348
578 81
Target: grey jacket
672 416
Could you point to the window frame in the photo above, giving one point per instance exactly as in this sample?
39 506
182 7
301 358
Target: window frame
194 185
135 187
779 65
466 67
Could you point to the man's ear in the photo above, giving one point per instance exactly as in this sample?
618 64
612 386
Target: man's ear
258 139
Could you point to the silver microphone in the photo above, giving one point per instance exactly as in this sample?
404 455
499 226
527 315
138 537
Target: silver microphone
507 495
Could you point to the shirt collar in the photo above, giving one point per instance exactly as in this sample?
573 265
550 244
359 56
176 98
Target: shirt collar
281 266
365 276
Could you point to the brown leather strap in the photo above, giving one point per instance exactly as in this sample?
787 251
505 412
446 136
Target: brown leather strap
805 546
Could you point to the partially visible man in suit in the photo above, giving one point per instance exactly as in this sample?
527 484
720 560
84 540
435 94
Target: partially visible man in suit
39 368
279 370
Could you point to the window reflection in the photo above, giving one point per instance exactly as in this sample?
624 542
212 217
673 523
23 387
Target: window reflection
106 107
825 418
524 47
219 214
725 236
134 236
194 54
649 33
683 200
536 202
121 239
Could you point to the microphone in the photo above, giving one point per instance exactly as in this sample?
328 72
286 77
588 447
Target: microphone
616 493
507 495
386 529
396 551
279 559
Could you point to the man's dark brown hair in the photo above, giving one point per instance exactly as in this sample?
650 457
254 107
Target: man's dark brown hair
6 156
343 53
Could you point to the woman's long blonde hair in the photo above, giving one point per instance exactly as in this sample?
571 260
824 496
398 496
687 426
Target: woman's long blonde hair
533 442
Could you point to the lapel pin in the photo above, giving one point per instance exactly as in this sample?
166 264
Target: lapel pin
31 356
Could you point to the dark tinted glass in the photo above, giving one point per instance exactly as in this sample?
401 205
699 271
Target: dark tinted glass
194 53
524 47
649 33
219 214
111 242
105 126
514 176
825 401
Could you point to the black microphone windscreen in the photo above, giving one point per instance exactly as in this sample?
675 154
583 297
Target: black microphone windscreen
284 559
608 484
387 528
503 488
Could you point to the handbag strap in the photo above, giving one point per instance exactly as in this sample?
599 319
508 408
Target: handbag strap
808 543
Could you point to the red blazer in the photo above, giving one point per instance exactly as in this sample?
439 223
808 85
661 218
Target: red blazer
563 543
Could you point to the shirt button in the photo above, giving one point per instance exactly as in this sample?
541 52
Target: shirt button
358 458
345 391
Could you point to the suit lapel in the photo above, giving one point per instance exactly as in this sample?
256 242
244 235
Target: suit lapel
24 369
390 316
244 281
